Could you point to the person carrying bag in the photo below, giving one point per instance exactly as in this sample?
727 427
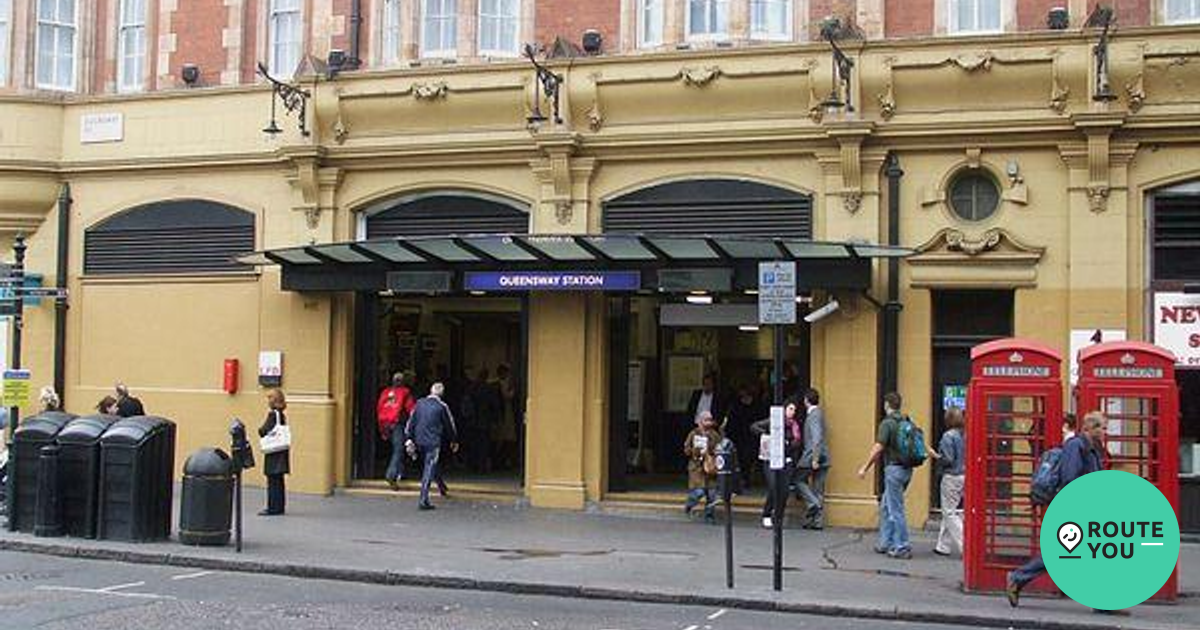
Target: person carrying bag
275 440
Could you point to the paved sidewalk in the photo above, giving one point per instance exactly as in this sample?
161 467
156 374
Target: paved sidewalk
645 558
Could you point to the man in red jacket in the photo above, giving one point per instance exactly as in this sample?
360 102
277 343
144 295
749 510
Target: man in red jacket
394 406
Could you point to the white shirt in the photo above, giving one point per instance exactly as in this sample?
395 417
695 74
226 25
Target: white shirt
705 404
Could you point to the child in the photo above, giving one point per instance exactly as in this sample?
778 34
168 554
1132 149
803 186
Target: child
952 462
699 448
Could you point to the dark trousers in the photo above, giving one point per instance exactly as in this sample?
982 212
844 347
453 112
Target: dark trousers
276 494
430 472
395 469
775 477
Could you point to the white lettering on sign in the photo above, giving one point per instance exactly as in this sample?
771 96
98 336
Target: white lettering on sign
1016 371
102 127
777 292
1177 326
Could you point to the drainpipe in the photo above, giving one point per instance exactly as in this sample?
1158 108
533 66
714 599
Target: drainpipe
60 305
356 19
889 348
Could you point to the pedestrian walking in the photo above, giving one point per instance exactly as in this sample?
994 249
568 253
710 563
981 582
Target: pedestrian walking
391 412
951 460
277 463
127 405
1081 454
743 413
700 449
707 398
895 443
792 442
813 465
48 399
107 406
430 424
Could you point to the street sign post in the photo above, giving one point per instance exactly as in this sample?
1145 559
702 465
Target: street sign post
777 308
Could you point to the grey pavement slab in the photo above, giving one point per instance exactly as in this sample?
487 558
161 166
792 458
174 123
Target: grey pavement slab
492 546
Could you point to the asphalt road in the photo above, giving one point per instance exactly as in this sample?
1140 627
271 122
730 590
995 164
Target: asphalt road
57 593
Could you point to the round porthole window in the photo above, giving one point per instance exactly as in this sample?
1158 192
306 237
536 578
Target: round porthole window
974 196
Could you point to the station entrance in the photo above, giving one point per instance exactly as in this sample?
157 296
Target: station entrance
475 346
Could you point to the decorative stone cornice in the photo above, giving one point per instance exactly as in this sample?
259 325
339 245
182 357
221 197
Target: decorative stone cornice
995 245
25 199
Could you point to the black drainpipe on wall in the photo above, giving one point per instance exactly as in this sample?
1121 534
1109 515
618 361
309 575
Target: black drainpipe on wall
60 281
890 348
355 62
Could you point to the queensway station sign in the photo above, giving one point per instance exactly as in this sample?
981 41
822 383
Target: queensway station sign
552 281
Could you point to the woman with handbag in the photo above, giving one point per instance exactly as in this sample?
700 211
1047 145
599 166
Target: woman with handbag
275 440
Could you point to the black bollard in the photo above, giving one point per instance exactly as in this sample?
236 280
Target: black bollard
47 520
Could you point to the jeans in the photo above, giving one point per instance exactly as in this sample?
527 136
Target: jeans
708 494
429 472
893 526
950 537
1028 571
810 486
276 494
395 469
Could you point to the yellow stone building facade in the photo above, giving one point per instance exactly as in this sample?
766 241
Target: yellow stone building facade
1068 241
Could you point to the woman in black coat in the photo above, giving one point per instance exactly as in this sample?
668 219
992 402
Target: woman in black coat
275 465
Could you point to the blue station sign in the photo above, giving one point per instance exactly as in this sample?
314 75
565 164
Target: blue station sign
552 280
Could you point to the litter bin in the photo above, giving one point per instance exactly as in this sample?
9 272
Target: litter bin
206 508
137 461
79 470
33 433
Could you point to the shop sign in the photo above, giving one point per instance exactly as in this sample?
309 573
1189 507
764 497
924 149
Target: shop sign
777 292
270 368
102 127
16 388
1177 326
954 397
552 280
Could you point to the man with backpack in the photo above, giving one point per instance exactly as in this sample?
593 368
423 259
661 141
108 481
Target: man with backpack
902 445
1079 455
391 411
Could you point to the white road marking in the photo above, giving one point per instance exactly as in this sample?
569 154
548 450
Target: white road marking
100 591
189 576
691 628
119 587
717 615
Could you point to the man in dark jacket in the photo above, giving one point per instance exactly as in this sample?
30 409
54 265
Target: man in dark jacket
1081 454
128 406
430 424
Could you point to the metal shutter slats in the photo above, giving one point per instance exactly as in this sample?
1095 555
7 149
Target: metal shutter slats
170 237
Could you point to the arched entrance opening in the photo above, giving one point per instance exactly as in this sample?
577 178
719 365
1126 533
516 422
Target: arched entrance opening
473 343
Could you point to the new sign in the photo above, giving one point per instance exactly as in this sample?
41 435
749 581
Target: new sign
552 280
1177 326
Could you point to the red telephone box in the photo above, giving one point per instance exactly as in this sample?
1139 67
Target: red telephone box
1133 384
1014 413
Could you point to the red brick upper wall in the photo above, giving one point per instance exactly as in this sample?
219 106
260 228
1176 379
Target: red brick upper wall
908 18
570 18
818 10
198 25
1129 12
1031 14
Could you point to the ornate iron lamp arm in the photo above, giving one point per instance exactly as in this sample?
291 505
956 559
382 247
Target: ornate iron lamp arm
294 100
547 81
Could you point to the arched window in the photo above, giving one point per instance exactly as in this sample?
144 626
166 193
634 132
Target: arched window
440 214
713 207
177 236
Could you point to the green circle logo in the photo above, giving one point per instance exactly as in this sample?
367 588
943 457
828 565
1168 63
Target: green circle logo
1110 540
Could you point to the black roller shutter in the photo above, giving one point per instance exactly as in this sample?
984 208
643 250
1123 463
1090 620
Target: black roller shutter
439 215
179 236
712 207
1177 237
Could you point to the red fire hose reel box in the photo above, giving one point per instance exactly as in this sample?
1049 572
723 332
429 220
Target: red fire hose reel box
1133 384
230 376
1014 413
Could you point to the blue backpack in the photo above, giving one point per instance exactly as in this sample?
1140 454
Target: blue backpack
1046 479
910 443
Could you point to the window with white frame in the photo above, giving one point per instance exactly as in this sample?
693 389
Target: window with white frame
439 28
708 19
974 16
131 45
1182 11
284 26
651 20
499 22
771 19
5 20
390 40
56 43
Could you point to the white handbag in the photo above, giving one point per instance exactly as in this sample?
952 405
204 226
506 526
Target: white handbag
279 439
